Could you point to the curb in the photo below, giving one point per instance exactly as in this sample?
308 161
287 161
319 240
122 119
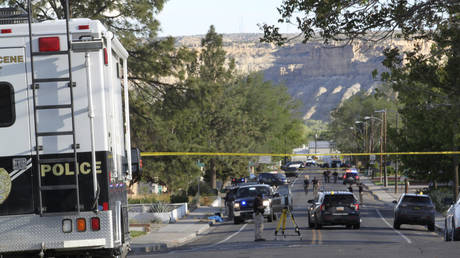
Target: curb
139 249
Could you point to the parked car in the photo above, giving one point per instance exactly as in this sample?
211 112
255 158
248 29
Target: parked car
336 163
452 222
414 209
273 179
244 202
350 176
293 164
334 208
310 163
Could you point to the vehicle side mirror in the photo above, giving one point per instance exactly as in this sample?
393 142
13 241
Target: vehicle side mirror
136 161
311 201
394 201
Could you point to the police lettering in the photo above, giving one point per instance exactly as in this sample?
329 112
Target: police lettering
60 169
11 59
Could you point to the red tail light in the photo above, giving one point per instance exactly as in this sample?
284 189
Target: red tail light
83 27
6 31
106 57
140 163
105 206
49 44
357 177
357 206
95 224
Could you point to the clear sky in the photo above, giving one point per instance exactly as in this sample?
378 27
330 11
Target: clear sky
193 17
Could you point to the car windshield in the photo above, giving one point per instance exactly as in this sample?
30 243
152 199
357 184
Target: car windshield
416 200
252 191
281 176
339 199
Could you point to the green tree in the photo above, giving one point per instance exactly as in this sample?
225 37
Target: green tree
427 85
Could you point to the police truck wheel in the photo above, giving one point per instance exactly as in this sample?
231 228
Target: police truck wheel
396 224
357 226
236 220
455 234
447 236
431 226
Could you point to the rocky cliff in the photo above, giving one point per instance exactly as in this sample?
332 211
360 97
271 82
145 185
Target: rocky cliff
320 76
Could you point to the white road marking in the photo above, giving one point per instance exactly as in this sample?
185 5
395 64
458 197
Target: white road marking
390 226
228 238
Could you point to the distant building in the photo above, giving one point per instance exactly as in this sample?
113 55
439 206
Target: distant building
321 147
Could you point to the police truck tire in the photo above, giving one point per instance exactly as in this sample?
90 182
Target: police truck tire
447 235
431 226
396 224
236 220
455 233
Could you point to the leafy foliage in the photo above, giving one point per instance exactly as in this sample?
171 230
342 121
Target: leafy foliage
345 20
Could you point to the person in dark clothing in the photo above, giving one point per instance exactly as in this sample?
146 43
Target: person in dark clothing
336 175
315 183
350 189
328 175
306 183
360 190
325 176
258 217
229 200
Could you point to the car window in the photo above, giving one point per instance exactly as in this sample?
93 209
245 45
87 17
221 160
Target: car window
252 191
339 199
416 200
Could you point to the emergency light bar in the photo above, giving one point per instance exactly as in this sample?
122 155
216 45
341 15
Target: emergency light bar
87 45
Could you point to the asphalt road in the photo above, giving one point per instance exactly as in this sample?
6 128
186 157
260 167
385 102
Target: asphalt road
376 238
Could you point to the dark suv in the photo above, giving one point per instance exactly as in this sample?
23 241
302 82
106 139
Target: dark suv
334 208
273 179
414 209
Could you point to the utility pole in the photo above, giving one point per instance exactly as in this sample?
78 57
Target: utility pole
381 148
397 158
385 177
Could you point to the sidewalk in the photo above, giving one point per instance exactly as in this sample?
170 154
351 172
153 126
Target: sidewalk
171 235
388 195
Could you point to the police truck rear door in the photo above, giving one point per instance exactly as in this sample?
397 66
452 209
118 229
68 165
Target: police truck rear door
15 133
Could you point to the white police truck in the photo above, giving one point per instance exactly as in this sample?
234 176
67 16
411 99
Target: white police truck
65 154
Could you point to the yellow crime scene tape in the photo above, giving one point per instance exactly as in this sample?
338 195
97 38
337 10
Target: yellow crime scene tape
156 154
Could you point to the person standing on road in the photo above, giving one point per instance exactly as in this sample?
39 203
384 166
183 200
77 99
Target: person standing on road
325 176
229 201
350 189
258 217
315 186
306 183
360 190
328 176
336 175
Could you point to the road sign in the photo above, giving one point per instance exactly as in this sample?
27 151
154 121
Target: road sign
199 164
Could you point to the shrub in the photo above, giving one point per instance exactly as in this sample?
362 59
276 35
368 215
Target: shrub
179 197
438 196
205 189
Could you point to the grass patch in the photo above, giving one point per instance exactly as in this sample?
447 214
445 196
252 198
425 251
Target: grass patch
137 233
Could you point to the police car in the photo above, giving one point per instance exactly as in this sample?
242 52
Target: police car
244 202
